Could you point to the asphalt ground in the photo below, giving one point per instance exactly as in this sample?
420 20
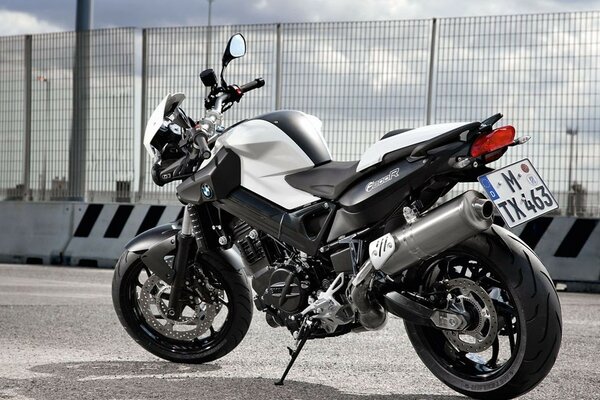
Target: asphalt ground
60 339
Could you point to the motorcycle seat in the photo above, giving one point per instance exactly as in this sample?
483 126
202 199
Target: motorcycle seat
328 180
331 179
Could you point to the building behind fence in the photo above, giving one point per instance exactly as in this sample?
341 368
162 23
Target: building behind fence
361 78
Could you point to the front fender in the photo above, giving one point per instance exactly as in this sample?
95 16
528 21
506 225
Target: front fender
155 244
149 238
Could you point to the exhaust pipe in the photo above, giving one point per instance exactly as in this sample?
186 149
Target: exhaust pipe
371 315
436 231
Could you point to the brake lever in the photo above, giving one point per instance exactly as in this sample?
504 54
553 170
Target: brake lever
210 100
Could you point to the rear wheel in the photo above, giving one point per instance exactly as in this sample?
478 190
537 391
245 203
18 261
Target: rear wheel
515 331
214 320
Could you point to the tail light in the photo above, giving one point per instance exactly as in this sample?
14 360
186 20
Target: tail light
496 140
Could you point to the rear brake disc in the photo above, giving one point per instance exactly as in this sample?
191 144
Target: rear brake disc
481 333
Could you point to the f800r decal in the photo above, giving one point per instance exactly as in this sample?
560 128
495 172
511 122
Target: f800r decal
378 182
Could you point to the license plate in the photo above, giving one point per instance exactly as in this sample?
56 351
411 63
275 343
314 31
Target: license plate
518 192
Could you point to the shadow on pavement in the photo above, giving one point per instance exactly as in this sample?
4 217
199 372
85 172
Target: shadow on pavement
161 380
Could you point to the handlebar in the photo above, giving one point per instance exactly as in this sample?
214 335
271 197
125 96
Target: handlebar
255 84
219 96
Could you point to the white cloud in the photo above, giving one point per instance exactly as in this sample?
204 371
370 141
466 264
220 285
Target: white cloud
57 14
267 11
20 23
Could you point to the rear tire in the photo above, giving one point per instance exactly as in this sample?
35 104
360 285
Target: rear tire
200 350
538 316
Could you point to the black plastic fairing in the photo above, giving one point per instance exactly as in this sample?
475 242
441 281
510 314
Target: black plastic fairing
254 210
373 198
214 181
304 228
387 180
451 136
328 180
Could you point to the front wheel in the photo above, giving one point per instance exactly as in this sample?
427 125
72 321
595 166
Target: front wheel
515 333
213 322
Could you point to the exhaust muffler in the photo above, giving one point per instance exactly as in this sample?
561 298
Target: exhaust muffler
426 237
429 235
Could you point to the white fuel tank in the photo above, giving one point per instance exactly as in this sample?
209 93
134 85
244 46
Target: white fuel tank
274 145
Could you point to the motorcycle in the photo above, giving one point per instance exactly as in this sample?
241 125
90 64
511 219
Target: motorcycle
335 247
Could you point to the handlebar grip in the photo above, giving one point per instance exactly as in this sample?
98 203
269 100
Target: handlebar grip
255 84
201 144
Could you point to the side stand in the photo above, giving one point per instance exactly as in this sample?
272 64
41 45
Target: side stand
303 336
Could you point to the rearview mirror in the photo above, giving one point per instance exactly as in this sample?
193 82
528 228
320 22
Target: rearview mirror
236 48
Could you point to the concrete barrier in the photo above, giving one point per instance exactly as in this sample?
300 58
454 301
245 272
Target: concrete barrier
102 230
95 235
75 233
568 246
34 232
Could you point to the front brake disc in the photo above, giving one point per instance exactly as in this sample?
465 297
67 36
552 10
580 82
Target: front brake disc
196 319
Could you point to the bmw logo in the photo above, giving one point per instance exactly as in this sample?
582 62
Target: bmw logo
207 191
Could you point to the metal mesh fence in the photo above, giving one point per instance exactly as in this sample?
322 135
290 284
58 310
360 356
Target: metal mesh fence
362 79
543 73
111 139
52 110
108 145
12 90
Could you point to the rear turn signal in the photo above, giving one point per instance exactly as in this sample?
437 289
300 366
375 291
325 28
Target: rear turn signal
495 140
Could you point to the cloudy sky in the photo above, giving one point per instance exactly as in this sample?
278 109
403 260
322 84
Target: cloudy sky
37 16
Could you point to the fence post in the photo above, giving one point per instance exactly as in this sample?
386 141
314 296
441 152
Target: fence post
278 69
143 112
79 127
27 119
430 72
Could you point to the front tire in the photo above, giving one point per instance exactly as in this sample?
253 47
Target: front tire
131 278
536 319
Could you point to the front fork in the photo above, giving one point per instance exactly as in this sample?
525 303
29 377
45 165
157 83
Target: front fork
185 243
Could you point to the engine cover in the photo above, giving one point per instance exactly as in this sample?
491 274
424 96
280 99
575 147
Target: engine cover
287 291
